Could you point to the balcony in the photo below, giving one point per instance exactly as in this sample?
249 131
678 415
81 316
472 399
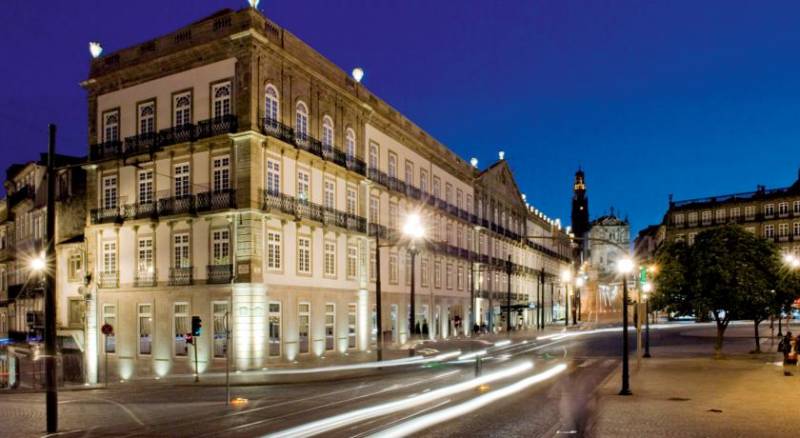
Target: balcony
301 209
146 278
180 276
141 210
108 280
153 142
106 215
219 274
219 200
276 129
175 205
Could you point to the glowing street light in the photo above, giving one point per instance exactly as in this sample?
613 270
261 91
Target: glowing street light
95 49
791 261
625 266
413 230
358 74
253 3
38 264
647 287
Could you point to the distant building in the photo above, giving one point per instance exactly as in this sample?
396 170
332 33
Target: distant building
580 212
608 239
773 214
647 242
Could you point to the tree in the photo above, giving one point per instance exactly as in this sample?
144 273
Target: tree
673 292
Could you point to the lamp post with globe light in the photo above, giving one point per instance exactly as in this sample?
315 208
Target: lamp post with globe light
413 231
792 262
580 281
566 278
647 288
624 268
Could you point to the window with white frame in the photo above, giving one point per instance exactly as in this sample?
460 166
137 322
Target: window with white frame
110 257
110 318
423 180
783 208
372 260
330 326
393 268
181 328
409 172
469 203
423 272
303 326
145 267
181 254
274 332
219 309
303 255
75 267
448 279
220 246
75 311
273 177
182 109
327 132
769 231
271 104
145 329
796 229
374 212
222 173
437 190
692 218
274 250
111 126
352 200
329 194
301 121
329 261
459 199
749 211
437 274
734 213
350 143
783 230
145 186
796 207
373 155
448 193
408 267
769 210
720 215
221 94
110 192
394 215
182 186
351 325
460 278
352 261
147 117
303 185
392 169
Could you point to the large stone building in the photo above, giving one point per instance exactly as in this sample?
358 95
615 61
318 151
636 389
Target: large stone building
234 171
607 241
23 238
771 213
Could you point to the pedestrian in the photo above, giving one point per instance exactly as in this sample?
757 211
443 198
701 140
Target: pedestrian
786 348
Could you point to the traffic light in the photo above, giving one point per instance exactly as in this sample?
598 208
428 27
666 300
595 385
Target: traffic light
197 325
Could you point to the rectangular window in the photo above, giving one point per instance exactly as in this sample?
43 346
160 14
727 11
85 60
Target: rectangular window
352 261
394 215
110 318
221 99
273 177
329 194
330 259
330 326
145 186
182 108
181 311
393 268
783 230
469 204
274 329
409 169
693 218
219 309
423 272
459 199
75 312
182 187
110 257
460 278
220 247
437 192
796 207
769 231
449 276
408 268
303 185
796 229
783 208
351 325
372 261
706 216
75 267
769 210
145 329
423 180
448 193
392 169
145 267
274 250
437 274
374 210
147 117
303 326
110 192
373 156
222 173
352 200
181 254
303 255
734 213
720 215
749 212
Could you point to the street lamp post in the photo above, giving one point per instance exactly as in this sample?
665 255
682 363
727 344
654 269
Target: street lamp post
566 277
413 230
579 282
412 317
509 268
540 302
378 320
50 289
625 266
647 287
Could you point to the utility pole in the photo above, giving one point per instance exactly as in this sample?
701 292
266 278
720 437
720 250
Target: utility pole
50 289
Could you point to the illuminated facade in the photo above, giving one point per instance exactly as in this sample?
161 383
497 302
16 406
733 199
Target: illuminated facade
237 175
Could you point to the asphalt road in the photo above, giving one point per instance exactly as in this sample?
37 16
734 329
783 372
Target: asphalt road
427 400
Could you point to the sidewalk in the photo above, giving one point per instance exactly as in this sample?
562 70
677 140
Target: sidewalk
684 392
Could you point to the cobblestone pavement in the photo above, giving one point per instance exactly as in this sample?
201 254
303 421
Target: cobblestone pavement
685 392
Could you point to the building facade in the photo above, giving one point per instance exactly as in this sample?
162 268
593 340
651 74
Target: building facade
608 240
237 175
773 214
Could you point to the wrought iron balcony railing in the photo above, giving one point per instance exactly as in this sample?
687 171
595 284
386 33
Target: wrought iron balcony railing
219 274
302 209
181 276
106 215
147 278
218 200
108 280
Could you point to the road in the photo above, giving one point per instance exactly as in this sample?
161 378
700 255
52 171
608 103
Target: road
435 399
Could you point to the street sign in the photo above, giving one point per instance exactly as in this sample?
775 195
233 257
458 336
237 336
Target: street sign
642 275
107 329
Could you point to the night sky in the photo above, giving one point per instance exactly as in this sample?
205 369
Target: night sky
651 98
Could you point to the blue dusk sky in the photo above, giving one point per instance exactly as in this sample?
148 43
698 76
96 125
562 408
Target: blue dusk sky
692 98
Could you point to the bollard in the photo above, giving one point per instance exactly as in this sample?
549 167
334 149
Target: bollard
478 366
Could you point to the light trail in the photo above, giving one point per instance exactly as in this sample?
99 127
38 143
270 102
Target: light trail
416 360
348 418
426 421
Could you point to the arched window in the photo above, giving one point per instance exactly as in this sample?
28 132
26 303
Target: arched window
327 132
301 121
221 104
271 103
350 143
182 108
